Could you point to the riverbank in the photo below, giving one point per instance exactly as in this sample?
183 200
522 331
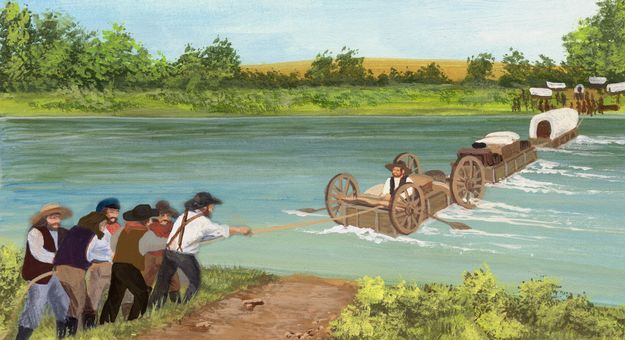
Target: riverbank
401 100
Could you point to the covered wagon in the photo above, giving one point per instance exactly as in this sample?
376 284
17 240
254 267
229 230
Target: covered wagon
496 156
409 206
553 128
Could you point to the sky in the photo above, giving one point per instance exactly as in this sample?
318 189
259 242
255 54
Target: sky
265 31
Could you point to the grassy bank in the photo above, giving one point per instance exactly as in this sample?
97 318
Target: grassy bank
216 283
479 308
406 100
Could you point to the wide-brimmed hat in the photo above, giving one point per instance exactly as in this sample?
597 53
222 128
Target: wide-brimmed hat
398 164
200 200
110 202
49 209
141 212
163 207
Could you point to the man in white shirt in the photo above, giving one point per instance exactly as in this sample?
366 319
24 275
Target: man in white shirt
43 240
398 178
189 231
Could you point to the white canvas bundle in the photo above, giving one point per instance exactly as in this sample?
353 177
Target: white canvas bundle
509 134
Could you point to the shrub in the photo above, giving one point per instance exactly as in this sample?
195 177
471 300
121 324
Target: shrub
12 284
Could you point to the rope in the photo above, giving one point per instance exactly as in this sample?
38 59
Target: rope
297 225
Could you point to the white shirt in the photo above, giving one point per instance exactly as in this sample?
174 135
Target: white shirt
100 249
387 185
35 244
196 231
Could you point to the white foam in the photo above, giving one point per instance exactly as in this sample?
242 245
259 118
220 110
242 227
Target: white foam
300 213
518 182
369 235
576 167
600 140
508 246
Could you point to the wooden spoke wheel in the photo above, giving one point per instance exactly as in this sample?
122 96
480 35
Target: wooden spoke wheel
411 161
407 209
468 181
340 186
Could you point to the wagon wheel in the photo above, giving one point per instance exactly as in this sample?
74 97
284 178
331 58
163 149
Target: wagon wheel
407 209
468 181
411 161
340 186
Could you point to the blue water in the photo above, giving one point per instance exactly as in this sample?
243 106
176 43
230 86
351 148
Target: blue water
562 216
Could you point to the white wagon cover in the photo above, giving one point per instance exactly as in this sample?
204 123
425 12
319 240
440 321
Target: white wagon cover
597 80
616 87
556 86
540 91
561 120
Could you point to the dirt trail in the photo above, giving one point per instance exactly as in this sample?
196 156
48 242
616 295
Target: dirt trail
292 306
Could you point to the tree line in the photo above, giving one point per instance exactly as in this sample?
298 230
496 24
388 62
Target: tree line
50 50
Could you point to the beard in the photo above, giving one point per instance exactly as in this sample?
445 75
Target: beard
208 214
54 225
112 220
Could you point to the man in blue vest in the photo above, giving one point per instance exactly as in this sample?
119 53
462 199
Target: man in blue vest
43 240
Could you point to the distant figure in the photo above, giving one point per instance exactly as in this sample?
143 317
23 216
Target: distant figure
583 108
578 105
563 98
600 105
571 105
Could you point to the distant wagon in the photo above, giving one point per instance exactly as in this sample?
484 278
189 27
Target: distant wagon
496 156
411 204
553 128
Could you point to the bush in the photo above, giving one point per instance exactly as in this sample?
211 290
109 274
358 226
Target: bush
12 284
84 100
479 308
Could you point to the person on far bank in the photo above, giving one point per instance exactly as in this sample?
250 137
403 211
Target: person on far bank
128 262
191 228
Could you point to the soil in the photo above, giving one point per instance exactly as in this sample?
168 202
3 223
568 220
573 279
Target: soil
293 307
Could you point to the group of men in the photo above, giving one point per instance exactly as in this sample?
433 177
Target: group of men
69 270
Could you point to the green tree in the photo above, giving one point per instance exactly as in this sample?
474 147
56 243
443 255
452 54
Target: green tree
597 46
545 69
16 34
479 68
516 69
197 70
431 74
349 68
321 69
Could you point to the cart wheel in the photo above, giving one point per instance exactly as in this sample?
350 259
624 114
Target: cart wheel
407 209
340 186
411 161
467 181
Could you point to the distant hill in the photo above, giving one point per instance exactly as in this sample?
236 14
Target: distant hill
455 69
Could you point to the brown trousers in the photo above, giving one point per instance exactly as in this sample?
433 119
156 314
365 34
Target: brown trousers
150 272
73 281
98 281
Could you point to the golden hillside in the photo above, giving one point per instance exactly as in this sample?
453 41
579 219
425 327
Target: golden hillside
455 69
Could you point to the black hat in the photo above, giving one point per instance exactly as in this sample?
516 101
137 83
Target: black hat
398 164
201 199
141 212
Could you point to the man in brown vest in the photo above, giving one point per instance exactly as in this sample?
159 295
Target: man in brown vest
128 263
43 240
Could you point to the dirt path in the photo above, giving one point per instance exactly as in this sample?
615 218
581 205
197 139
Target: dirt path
293 307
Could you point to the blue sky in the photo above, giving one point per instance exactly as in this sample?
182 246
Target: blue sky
273 31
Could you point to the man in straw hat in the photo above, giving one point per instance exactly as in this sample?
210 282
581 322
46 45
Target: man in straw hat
382 198
73 259
190 229
43 240
128 263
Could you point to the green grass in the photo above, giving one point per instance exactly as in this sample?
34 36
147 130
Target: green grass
414 99
217 282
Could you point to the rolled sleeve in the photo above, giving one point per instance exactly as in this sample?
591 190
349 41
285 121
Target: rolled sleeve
35 244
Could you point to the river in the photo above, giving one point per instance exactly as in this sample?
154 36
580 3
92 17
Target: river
561 217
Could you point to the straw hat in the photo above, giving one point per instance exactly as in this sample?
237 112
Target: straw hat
49 209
